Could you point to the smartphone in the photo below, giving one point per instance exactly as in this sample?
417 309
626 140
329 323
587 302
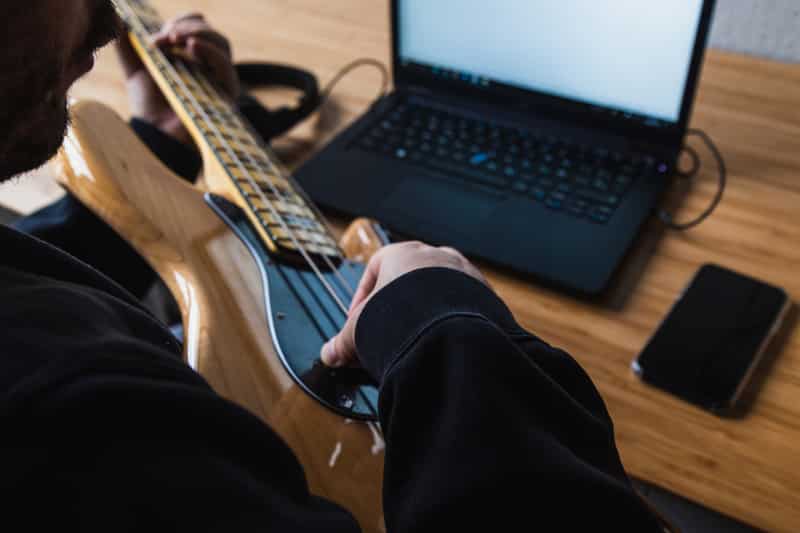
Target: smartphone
709 344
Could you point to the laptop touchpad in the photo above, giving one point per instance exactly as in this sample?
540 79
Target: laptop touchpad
436 210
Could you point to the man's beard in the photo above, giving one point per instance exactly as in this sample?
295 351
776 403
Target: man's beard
34 132
34 125
38 144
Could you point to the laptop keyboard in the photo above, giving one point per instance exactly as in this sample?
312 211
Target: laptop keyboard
588 182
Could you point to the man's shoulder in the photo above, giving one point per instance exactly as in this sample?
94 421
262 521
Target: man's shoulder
54 304
29 261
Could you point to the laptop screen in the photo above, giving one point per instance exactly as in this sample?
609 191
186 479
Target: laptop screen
629 56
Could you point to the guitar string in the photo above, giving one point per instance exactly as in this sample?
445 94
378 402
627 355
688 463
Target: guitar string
256 139
270 174
275 171
134 19
201 112
211 93
361 392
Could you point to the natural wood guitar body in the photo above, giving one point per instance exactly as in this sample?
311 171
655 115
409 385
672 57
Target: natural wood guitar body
218 287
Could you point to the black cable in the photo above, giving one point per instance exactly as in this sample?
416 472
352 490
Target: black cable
366 61
694 169
666 217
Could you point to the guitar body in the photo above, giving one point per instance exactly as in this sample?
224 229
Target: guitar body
241 320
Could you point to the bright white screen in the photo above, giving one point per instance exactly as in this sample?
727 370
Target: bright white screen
630 55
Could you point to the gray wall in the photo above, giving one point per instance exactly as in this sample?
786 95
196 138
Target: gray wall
769 28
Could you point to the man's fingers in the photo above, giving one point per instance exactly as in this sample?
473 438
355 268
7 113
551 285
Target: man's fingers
193 38
341 350
176 34
182 21
191 15
216 61
367 283
389 264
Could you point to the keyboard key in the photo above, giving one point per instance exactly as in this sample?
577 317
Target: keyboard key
479 159
554 203
623 179
576 207
538 193
599 214
519 186
598 197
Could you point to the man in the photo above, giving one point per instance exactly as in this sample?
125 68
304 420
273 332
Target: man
104 428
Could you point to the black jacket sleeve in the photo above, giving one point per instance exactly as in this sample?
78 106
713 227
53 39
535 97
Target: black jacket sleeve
486 425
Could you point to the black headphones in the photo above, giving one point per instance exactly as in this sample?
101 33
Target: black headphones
273 123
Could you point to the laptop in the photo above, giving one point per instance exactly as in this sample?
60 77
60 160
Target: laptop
533 134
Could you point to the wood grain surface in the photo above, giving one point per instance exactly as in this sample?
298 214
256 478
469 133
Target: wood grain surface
746 467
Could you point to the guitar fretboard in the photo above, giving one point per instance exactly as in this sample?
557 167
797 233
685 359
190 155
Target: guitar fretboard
282 216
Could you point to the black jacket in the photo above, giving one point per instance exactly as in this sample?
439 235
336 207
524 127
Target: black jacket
104 428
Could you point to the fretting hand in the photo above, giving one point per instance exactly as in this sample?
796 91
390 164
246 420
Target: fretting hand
191 37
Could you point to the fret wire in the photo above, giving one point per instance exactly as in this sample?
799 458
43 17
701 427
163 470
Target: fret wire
348 288
296 188
156 53
213 94
293 237
207 87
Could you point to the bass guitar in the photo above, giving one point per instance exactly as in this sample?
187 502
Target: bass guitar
260 280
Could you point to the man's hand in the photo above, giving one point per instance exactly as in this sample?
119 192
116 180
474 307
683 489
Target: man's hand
386 266
192 38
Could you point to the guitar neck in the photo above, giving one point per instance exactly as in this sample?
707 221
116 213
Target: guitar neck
286 221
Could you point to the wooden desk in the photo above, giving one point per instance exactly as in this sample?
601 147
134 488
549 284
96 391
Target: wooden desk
748 468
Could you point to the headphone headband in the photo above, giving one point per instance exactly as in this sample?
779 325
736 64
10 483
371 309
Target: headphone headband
273 123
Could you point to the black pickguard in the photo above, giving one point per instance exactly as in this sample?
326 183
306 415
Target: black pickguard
302 317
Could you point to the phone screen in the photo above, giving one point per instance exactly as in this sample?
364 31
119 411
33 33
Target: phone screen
708 343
